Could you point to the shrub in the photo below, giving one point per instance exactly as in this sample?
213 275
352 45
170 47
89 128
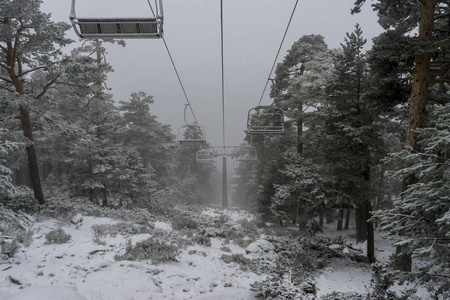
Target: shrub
10 249
183 222
57 237
342 296
153 249
98 241
202 240
277 288
26 237
236 258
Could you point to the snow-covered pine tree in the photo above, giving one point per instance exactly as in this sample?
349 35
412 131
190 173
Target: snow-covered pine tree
420 221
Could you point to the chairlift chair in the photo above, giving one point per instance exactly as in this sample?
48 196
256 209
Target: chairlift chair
265 119
205 156
119 28
245 153
191 135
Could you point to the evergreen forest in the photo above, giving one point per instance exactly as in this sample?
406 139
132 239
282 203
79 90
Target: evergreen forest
366 139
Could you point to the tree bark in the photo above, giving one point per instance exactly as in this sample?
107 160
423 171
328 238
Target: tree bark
32 156
370 233
340 220
416 113
347 219
360 220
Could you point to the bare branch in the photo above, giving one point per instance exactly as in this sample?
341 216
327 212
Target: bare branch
6 88
29 71
443 43
5 79
45 89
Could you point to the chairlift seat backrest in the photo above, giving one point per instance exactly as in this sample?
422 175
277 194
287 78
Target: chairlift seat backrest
205 156
265 120
245 153
191 135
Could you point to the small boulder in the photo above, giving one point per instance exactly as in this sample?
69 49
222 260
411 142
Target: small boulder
260 246
77 219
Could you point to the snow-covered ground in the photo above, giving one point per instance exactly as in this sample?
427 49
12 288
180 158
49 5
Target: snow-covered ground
83 269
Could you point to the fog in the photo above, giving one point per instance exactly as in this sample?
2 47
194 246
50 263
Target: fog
253 30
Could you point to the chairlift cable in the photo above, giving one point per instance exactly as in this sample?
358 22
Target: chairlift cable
176 70
278 53
223 73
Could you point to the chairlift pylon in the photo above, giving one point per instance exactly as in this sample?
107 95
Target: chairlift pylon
119 28
265 120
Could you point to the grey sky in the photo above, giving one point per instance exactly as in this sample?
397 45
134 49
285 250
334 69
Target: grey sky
253 30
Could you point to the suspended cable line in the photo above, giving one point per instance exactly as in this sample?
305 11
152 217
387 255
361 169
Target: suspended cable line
223 73
278 53
175 68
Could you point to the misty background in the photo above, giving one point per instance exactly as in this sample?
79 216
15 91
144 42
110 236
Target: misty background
253 30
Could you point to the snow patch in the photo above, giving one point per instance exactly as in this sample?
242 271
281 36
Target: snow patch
46 293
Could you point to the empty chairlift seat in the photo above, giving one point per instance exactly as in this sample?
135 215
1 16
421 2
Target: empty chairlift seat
245 153
191 135
118 28
205 156
265 120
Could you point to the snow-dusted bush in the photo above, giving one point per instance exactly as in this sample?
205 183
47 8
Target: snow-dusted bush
64 207
343 296
14 223
21 199
10 248
280 288
123 228
25 237
180 222
57 236
291 271
202 240
239 258
153 249
6 146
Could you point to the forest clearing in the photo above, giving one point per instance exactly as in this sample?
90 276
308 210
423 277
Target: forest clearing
213 253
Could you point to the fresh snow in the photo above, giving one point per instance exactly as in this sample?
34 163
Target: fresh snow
82 269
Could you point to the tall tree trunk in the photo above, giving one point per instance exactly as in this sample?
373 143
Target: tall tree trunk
370 233
360 220
340 219
32 156
347 218
416 114
299 136
24 117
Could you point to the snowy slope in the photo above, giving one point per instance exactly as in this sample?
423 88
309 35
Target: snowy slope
83 269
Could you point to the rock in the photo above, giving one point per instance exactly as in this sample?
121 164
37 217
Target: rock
77 219
260 246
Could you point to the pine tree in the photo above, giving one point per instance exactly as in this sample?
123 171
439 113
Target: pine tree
420 222
153 140
349 128
430 18
28 43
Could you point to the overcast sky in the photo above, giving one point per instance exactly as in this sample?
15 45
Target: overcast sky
253 30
